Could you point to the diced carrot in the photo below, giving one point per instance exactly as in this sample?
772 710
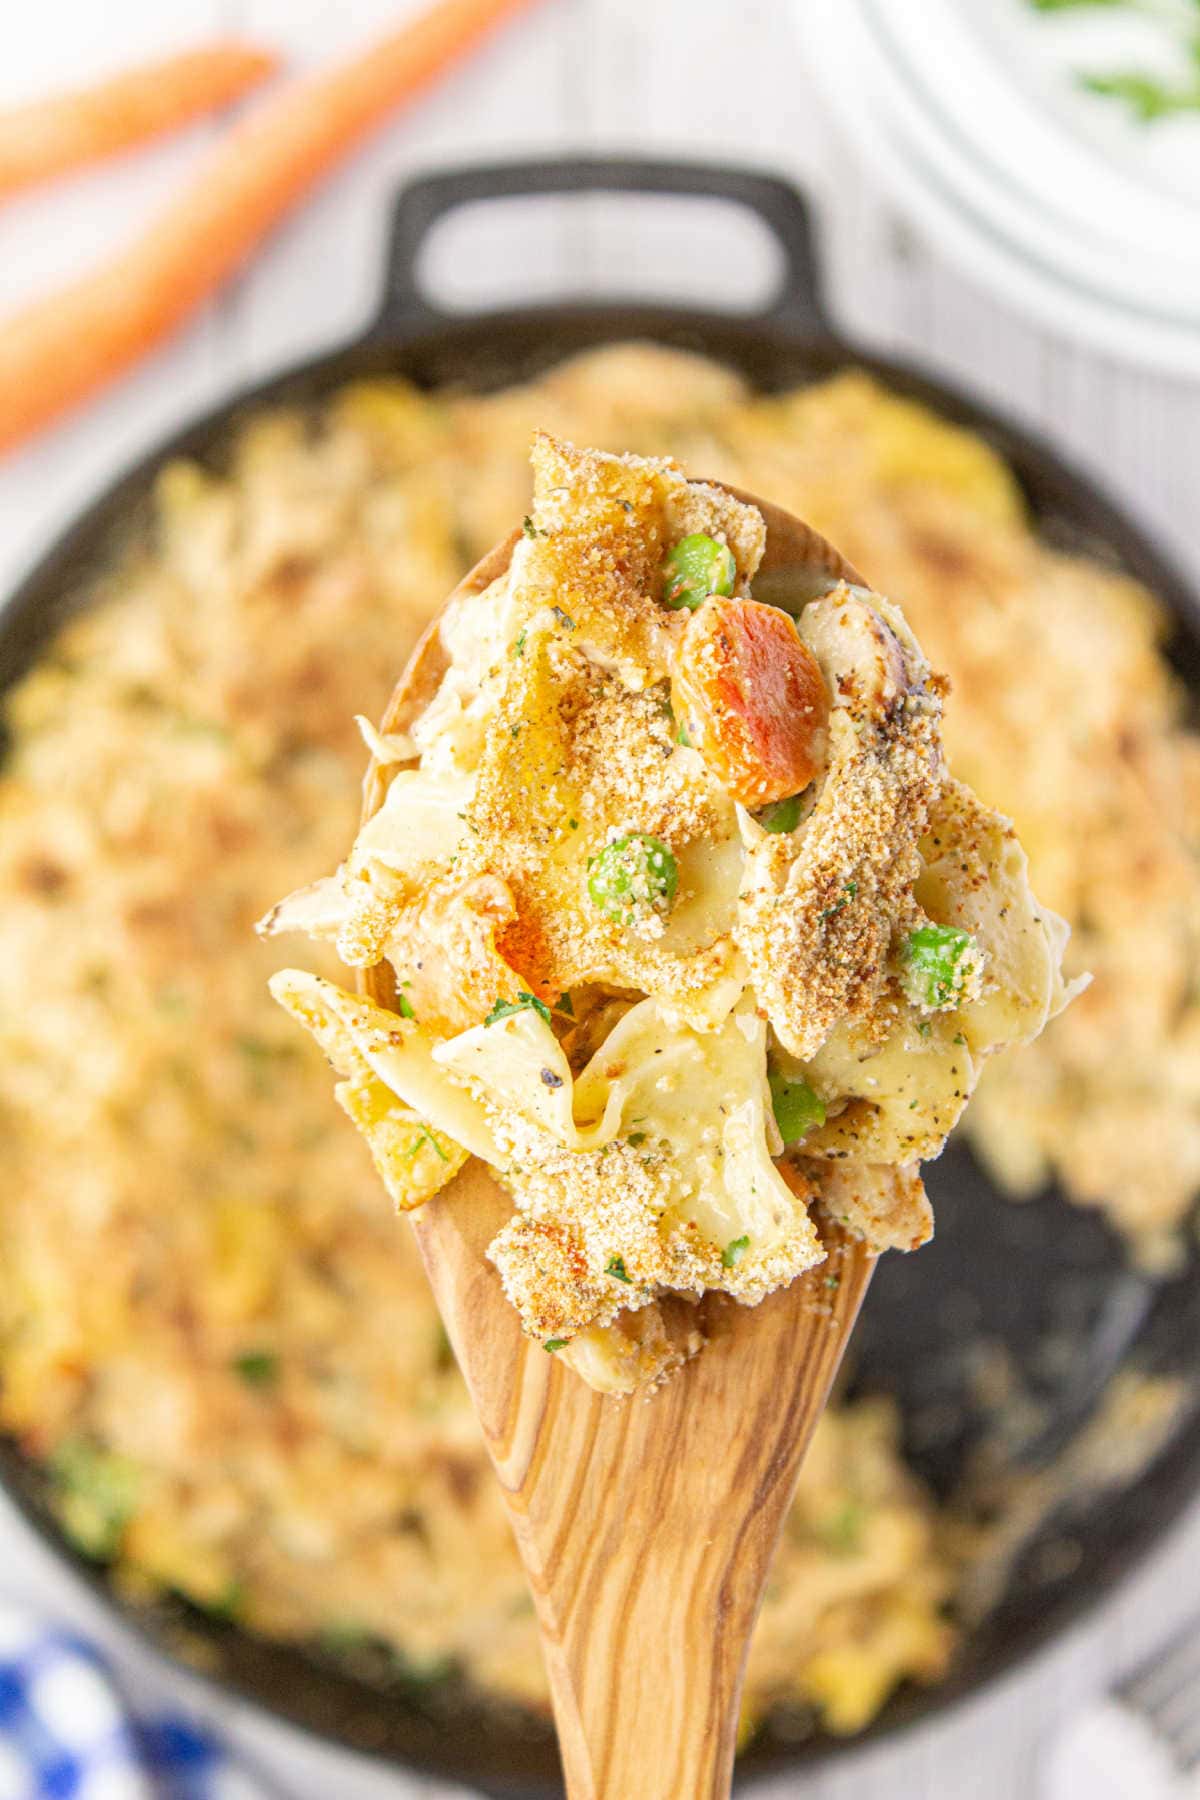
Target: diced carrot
752 699
64 131
56 351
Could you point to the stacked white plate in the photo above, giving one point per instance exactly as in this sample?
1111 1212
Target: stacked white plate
978 116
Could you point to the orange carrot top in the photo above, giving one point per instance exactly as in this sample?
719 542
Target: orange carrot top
56 351
47 137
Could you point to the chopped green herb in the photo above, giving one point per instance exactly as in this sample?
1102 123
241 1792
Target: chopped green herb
572 824
797 1108
524 1002
257 1368
529 528
849 892
404 1007
697 567
959 1038
630 873
923 1028
616 1266
681 737
734 1251
566 1005
783 816
937 960
1147 95
425 1136
518 648
636 1139
1144 94
564 618
832 1281
553 1344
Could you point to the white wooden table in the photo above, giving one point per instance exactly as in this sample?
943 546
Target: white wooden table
695 76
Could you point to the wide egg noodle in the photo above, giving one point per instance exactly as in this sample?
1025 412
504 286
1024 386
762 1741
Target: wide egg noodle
703 1096
414 1160
975 874
400 1056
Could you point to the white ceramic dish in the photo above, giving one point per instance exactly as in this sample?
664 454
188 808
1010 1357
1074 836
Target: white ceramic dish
973 114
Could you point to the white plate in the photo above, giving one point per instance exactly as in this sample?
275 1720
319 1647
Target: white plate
972 113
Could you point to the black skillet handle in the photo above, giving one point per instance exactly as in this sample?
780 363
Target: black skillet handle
781 207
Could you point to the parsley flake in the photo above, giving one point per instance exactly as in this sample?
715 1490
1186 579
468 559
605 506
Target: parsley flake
257 1368
425 1136
849 892
524 1002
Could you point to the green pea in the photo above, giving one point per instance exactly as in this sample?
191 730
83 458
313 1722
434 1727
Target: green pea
734 1251
937 960
96 1491
631 873
797 1108
697 567
783 816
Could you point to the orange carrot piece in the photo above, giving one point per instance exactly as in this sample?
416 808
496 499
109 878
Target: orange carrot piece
745 684
64 131
56 351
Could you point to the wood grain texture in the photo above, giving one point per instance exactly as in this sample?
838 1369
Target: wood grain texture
646 1525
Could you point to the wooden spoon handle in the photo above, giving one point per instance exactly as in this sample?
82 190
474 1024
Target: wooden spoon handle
646 1525
645 1597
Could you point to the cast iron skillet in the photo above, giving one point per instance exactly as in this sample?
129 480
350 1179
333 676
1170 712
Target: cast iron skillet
1046 1281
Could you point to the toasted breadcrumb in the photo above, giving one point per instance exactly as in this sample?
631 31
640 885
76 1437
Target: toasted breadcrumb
817 921
546 741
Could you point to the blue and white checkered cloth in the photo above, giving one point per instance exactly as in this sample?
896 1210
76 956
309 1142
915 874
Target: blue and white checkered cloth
67 1734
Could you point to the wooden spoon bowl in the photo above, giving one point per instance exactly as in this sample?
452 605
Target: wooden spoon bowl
646 1525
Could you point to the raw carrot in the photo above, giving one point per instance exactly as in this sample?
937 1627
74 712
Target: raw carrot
64 131
56 351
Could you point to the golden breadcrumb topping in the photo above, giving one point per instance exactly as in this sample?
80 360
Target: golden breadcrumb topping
630 983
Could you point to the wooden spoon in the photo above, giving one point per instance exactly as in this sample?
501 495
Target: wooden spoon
646 1525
